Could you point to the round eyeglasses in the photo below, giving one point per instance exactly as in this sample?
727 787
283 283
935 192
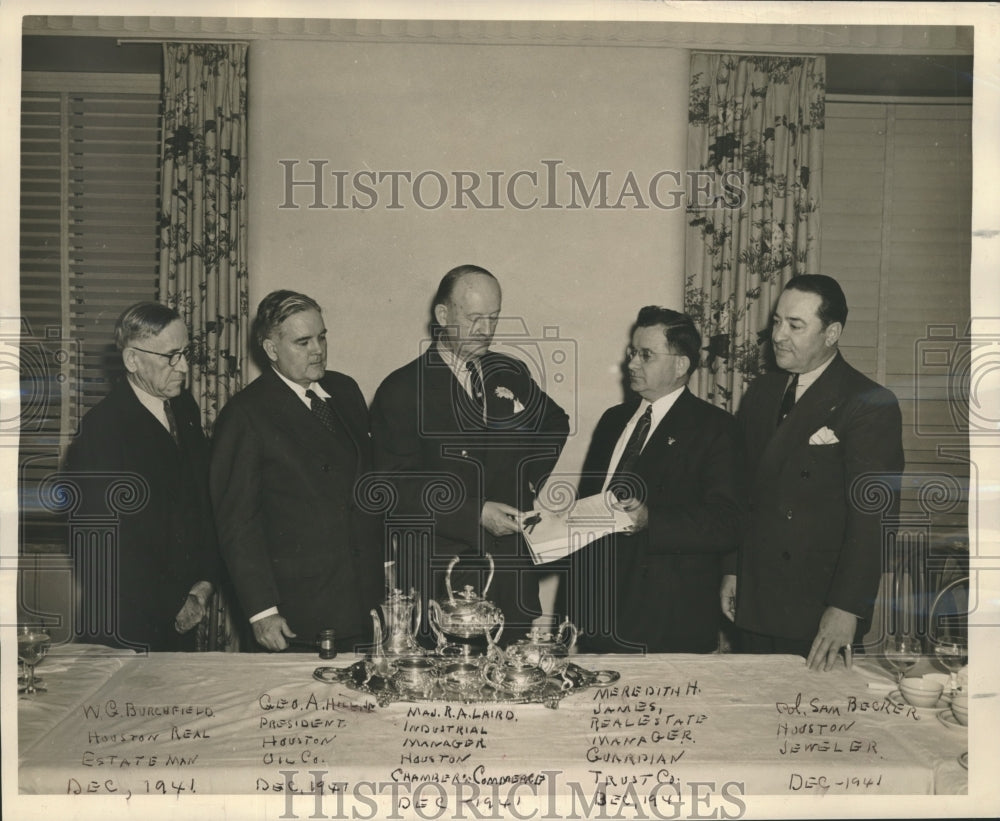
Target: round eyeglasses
645 354
172 358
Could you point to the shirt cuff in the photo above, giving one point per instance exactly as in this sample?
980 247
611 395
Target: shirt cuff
263 614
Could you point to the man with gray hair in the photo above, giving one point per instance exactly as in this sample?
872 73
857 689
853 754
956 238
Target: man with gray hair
286 454
148 426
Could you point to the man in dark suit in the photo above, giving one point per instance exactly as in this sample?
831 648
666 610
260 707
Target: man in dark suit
463 417
824 453
148 426
286 454
672 461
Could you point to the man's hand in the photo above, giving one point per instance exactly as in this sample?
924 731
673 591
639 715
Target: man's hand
195 607
836 632
727 596
271 632
636 510
500 519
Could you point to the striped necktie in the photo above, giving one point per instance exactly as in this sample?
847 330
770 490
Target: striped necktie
621 486
171 420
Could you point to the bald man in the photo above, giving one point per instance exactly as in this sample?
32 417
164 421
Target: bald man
476 420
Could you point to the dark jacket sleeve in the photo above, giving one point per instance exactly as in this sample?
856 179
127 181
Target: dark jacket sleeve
237 499
427 472
870 434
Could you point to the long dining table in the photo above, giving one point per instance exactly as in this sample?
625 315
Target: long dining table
718 728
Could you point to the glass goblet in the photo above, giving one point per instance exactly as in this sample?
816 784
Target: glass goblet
901 653
953 653
32 645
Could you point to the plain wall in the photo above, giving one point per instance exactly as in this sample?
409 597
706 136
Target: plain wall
581 274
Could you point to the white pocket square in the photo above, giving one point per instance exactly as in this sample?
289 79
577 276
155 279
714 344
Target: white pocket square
824 436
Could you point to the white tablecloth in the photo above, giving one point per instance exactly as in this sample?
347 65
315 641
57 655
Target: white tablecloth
253 723
71 674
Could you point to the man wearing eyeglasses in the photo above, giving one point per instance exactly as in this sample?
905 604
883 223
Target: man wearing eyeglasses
147 433
671 460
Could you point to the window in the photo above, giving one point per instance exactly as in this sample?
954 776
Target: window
897 231
89 213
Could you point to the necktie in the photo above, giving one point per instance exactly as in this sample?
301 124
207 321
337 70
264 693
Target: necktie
322 410
621 487
475 381
171 419
788 399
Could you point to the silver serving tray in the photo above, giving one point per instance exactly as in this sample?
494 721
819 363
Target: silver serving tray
361 676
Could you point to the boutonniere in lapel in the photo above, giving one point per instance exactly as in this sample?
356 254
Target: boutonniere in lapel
670 440
506 393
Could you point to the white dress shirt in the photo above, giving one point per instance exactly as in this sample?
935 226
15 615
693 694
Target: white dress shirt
315 387
459 369
807 378
660 408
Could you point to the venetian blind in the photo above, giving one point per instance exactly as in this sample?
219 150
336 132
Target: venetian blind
897 203
89 199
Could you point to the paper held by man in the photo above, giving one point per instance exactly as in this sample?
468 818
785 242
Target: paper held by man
554 535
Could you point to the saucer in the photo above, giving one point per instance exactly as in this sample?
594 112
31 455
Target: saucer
896 697
947 718
963 759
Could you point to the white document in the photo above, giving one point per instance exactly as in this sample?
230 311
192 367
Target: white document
552 536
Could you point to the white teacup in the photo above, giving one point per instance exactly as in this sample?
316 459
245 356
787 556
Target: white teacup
960 708
920 692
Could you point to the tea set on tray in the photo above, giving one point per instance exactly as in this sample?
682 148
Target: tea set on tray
467 664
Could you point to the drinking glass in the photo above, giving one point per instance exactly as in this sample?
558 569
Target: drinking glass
953 653
32 645
901 653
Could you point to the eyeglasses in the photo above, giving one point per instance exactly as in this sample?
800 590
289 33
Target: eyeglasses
645 354
172 358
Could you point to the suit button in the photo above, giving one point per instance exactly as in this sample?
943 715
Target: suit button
786 555
326 468
804 474
788 514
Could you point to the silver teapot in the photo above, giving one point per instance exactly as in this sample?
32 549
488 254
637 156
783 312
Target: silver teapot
546 649
465 615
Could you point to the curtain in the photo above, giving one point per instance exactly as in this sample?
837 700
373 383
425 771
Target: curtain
756 124
203 220
203 237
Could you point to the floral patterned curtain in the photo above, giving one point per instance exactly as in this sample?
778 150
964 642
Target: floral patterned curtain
203 220
760 118
203 237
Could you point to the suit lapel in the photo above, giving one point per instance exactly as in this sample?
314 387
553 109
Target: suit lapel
290 413
439 390
656 455
813 410
347 422
143 421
